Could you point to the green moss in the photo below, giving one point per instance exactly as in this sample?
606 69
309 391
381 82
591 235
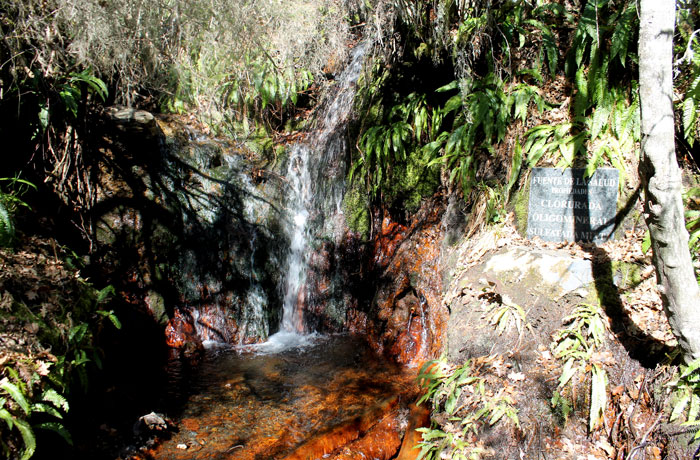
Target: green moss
627 275
412 181
521 203
356 209
157 305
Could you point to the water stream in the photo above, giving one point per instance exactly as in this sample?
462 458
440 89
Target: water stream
316 175
303 402
298 395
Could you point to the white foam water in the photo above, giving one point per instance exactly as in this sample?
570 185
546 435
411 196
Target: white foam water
310 189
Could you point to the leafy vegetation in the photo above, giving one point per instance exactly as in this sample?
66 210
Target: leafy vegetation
578 345
470 404
240 67
692 223
505 315
687 76
48 321
504 58
685 402
11 191
505 68
392 164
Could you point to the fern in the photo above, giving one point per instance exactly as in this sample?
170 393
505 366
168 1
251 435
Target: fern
7 227
444 387
480 121
623 34
556 143
685 396
263 90
575 345
398 145
549 44
687 81
10 202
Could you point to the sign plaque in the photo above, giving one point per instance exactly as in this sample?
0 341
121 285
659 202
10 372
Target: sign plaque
565 206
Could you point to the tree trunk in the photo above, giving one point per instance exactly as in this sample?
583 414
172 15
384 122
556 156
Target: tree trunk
661 176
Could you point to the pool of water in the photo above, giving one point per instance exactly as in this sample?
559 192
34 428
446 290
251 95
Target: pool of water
311 399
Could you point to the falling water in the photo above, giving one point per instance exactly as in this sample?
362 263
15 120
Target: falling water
299 205
316 175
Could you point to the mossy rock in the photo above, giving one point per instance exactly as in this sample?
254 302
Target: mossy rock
411 181
520 205
356 209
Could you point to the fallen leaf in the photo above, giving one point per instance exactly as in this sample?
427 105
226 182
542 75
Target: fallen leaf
42 368
516 376
605 446
6 301
617 390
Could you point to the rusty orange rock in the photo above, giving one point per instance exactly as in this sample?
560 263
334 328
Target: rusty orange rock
419 418
180 330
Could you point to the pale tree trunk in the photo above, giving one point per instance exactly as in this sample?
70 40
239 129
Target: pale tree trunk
662 176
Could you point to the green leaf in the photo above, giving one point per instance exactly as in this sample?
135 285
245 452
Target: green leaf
113 318
77 333
567 372
497 414
95 84
7 227
452 104
515 166
600 119
622 36
690 369
7 417
695 424
694 408
646 243
46 409
16 395
589 20
452 398
689 117
56 428
28 438
581 98
454 84
679 407
70 97
550 46
594 161
104 293
55 398
43 117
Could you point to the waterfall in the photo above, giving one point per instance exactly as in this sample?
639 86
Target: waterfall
316 174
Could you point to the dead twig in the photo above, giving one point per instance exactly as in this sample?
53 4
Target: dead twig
644 442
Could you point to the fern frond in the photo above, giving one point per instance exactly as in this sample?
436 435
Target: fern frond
7 227
690 112
623 34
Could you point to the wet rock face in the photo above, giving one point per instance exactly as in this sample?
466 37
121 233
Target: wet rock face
180 331
406 319
388 289
198 240
184 232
